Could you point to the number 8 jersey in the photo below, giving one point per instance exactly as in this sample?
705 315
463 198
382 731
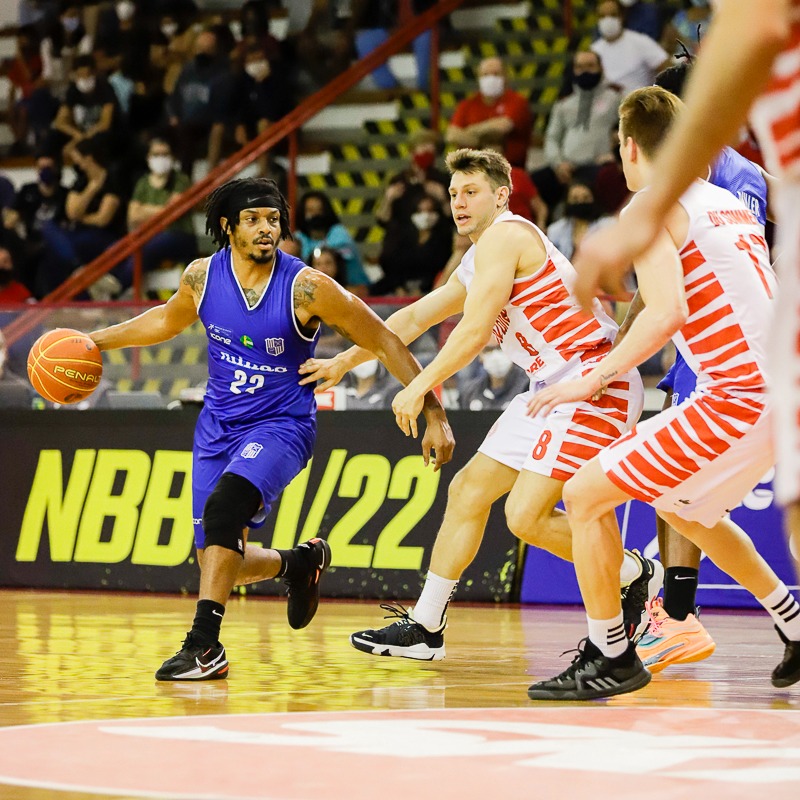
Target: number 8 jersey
254 353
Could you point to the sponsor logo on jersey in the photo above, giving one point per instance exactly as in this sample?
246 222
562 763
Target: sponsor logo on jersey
246 340
241 362
218 338
252 449
274 346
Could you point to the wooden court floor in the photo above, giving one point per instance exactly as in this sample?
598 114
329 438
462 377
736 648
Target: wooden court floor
303 715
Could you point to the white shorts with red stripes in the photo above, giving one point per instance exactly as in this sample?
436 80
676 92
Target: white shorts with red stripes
558 445
698 459
785 348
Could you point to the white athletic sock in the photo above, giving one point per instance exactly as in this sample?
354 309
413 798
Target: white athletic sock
432 603
608 635
784 610
630 570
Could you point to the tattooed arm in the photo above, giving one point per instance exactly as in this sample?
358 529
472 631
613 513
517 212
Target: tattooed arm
317 297
162 322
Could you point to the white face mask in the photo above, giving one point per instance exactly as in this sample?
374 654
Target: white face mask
257 70
125 10
628 3
365 370
86 85
491 85
424 220
159 165
496 363
169 29
609 27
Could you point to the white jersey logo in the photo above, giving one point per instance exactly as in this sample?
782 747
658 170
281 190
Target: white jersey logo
252 450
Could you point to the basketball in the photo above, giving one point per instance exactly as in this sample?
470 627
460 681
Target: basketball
64 366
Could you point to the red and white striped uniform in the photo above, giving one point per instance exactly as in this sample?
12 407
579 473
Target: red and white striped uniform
776 121
544 331
700 458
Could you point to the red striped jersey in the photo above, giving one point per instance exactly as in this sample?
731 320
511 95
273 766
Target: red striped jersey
730 287
775 116
541 328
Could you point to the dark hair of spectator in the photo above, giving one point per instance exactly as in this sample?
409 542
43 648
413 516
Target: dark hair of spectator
331 217
646 115
232 197
487 162
341 267
86 60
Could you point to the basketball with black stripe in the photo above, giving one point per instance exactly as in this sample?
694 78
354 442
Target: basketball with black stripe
64 366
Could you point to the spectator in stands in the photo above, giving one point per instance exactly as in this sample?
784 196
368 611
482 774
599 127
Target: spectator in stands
88 111
630 59
43 200
31 105
495 115
63 41
414 253
497 383
95 211
687 26
11 289
643 16
332 263
610 187
10 230
576 142
15 392
419 178
176 244
179 34
199 106
369 386
319 226
581 216
122 29
524 199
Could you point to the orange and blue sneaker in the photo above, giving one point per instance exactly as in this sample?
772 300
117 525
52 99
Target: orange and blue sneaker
671 641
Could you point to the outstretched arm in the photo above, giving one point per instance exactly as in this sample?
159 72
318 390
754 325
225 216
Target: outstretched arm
316 296
162 322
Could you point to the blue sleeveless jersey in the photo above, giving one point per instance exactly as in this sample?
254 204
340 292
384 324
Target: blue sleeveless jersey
254 353
741 177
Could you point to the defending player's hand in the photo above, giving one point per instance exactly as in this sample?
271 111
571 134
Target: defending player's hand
543 402
328 370
407 406
439 439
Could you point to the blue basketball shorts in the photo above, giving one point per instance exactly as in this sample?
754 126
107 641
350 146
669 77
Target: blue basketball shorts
268 453
680 379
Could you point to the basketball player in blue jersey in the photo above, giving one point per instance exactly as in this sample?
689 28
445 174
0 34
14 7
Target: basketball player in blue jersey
677 635
261 309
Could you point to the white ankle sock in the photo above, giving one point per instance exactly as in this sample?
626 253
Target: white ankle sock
630 570
608 635
784 610
432 603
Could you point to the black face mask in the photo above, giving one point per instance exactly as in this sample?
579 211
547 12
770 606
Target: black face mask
5 277
203 60
585 211
319 222
587 80
48 176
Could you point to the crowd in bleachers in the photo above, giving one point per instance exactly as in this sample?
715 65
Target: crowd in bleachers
130 96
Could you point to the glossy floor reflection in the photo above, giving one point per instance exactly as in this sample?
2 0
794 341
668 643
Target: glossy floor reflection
74 656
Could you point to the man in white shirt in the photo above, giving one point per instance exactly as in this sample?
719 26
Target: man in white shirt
630 59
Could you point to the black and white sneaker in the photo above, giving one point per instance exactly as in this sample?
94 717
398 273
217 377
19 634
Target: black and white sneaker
638 593
195 662
788 671
593 675
404 638
304 589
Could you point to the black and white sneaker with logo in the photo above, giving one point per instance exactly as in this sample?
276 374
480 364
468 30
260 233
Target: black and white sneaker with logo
195 661
304 589
404 638
638 593
593 675
788 671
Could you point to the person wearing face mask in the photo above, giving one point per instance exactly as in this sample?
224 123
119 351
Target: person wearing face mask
630 59
64 39
179 37
153 191
414 253
11 289
581 215
90 109
499 381
576 140
39 202
496 114
369 386
687 27
319 226
199 107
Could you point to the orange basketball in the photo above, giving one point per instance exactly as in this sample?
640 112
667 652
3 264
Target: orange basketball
64 366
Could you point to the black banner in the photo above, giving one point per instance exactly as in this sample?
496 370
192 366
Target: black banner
102 500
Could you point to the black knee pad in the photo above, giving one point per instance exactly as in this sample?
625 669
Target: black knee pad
229 508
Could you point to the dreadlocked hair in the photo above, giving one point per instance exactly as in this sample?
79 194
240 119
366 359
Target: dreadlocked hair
236 195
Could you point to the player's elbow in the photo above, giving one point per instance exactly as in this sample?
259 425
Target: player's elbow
673 319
